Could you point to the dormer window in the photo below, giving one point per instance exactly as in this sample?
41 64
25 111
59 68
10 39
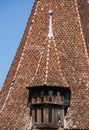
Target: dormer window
48 106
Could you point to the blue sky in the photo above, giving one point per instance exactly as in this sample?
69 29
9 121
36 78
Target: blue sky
13 18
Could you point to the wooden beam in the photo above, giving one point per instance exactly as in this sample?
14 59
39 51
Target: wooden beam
39 116
61 129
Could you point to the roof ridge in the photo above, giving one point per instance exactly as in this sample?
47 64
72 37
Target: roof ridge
79 19
28 35
58 61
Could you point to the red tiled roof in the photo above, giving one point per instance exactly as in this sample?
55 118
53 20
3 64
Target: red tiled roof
61 61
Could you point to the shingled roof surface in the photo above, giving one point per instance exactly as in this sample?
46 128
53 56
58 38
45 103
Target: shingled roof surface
59 61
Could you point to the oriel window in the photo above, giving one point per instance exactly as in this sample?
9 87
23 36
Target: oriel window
51 108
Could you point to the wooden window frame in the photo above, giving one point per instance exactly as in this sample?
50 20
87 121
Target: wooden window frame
47 98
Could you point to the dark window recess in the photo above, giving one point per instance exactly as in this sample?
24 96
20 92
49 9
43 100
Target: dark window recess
42 95
58 96
50 93
42 118
34 97
50 115
67 98
29 99
58 115
35 115
65 111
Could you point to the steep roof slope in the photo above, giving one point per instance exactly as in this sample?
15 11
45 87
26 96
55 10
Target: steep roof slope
15 63
58 61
